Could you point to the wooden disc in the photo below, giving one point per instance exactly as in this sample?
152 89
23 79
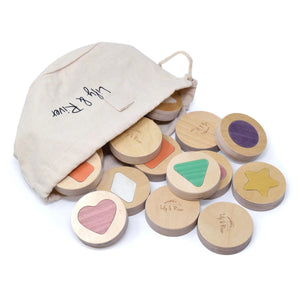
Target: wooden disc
168 109
128 183
99 219
100 152
193 175
226 173
156 168
258 186
241 137
83 179
225 228
196 131
138 144
170 215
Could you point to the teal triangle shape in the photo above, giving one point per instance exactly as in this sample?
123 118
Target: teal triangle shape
194 171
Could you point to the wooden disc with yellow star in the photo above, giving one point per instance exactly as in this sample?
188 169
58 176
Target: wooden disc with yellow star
258 186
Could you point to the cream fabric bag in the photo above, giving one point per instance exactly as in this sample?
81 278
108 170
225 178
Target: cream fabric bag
82 101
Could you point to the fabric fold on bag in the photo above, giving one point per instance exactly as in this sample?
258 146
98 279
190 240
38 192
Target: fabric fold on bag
82 101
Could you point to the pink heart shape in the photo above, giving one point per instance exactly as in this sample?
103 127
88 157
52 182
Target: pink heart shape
98 218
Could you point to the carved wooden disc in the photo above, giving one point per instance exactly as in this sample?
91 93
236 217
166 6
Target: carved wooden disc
99 219
156 168
241 137
128 183
225 228
258 186
226 173
138 144
83 179
196 131
170 215
193 175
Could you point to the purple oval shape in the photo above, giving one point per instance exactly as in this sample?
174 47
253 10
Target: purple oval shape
243 134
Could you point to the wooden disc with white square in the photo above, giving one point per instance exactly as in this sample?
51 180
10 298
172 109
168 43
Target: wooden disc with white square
168 109
99 219
156 168
170 215
138 144
193 175
83 179
128 183
241 137
226 173
258 186
196 131
225 228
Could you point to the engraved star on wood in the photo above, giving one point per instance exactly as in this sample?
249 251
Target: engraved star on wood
260 181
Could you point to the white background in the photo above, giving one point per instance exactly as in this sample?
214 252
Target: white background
246 59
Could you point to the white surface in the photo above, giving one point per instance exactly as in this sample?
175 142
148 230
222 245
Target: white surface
246 59
123 187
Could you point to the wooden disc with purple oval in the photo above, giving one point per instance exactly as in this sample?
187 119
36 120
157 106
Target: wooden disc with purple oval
241 137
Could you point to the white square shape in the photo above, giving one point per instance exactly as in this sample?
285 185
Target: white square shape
123 187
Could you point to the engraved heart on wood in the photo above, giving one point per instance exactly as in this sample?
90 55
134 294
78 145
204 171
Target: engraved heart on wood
98 218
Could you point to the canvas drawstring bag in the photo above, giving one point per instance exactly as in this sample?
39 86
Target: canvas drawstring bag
85 99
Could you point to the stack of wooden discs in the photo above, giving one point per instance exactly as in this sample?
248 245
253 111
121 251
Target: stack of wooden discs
167 110
199 172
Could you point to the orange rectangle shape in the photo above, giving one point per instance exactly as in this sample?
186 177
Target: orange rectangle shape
165 150
82 172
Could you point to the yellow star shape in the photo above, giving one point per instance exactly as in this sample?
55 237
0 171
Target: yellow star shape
260 181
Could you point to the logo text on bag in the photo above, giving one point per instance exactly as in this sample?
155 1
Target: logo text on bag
81 102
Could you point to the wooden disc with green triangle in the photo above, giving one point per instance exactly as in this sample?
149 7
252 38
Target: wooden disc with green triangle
194 171
193 175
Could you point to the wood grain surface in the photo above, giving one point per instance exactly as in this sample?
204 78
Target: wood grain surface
170 215
225 228
138 144
196 131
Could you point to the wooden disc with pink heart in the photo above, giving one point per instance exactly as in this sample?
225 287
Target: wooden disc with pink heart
99 219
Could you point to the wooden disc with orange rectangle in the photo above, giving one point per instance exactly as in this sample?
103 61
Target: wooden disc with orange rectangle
156 168
83 179
168 109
